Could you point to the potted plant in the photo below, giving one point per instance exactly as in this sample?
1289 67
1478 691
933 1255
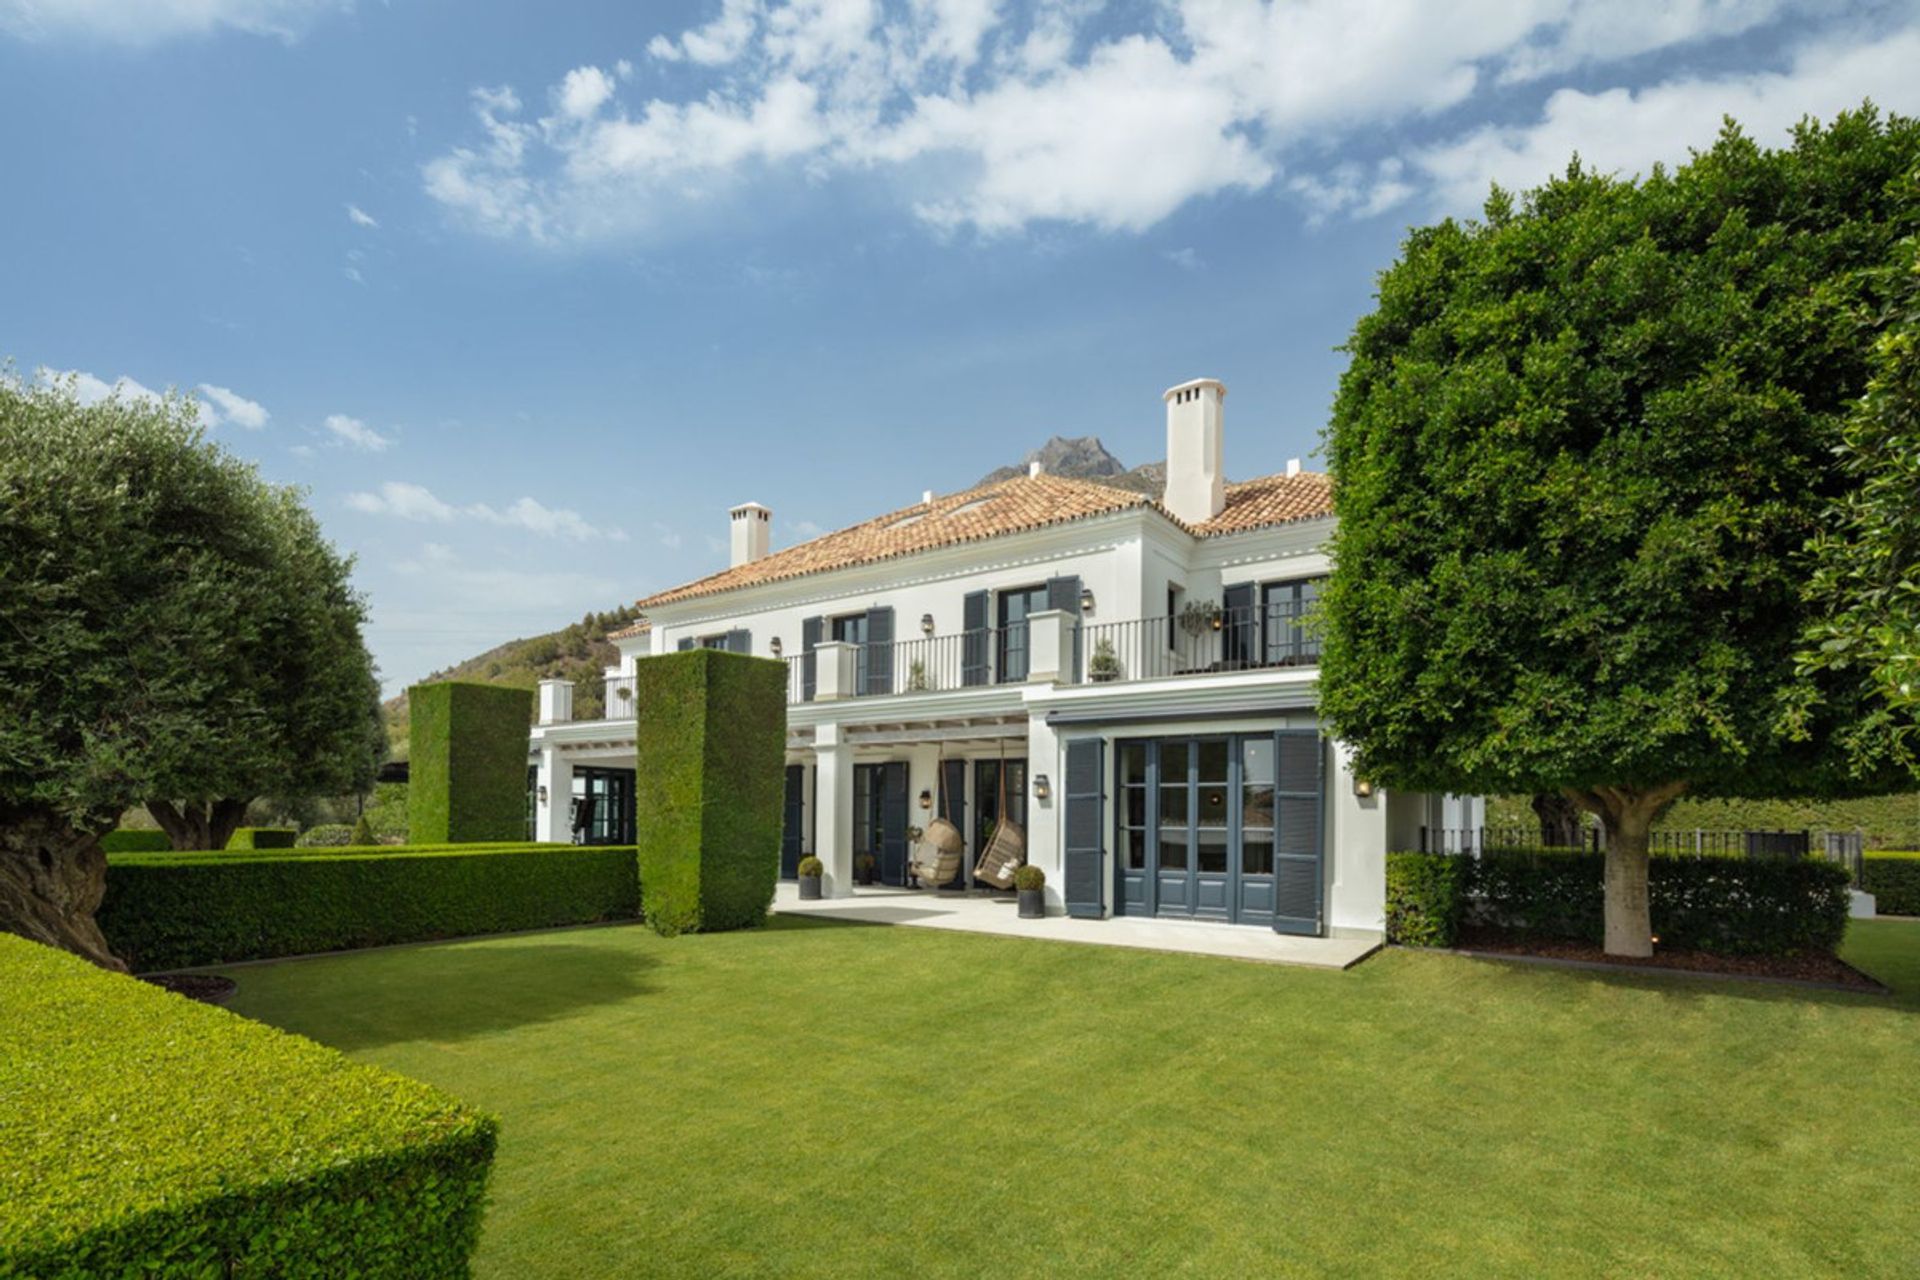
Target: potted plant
863 867
811 869
1104 665
916 676
1200 617
1031 882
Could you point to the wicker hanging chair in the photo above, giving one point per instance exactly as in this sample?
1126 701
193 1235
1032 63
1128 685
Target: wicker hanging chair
1007 851
936 859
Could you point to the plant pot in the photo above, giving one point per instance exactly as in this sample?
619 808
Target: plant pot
1033 904
809 888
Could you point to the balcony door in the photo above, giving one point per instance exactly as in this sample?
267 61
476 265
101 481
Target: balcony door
1016 654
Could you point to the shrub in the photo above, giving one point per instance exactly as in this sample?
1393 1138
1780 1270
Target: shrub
165 911
363 831
1735 906
125 841
1425 898
1029 876
712 728
262 838
325 835
467 762
146 1135
1894 881
811 866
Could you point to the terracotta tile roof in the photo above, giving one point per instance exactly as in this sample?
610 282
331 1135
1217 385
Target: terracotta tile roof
995 510
638 627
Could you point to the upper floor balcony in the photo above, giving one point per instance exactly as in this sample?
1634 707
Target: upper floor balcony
1053 647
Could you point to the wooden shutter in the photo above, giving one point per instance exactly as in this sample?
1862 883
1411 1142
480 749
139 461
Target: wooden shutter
1085 855
1063 593
879 651
739 640
810 629
1239 629
893 822
1299 831
973 641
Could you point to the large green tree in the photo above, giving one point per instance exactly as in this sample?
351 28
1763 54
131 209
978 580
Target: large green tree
174 631
1579 453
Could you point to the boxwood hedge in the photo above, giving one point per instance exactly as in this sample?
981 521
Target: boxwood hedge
467 762
125 841
711 729
1893 878
175 910
262 838
144 1135
1735 906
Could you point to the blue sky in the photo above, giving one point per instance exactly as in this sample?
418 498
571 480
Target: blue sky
529 295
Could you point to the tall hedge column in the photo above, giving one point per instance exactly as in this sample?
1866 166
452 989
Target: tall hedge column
710 736
467 763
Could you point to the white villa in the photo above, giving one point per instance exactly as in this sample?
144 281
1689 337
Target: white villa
1131 681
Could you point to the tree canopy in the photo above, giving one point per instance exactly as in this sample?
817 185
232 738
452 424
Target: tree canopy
1579 454
178 634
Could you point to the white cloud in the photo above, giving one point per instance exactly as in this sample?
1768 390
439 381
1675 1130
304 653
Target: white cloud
355 433
147 21
89 389
360 217
407 501
230 406
990 118
1186 258
548 522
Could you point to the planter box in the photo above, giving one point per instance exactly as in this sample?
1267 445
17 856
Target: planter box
809 888
1033 904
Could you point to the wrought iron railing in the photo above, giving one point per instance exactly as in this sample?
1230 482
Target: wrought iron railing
1201 641
1841 847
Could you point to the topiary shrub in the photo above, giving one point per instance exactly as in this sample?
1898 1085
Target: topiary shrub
811 866
262 838
125 841
174 910
1028 876
467 762
1893 878
711 729
146 1135
325 835
1426 893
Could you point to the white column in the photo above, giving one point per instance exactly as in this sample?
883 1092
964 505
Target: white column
1050 646
1356 842
834 670
923 774
1046 840
555 783
556 701
833 825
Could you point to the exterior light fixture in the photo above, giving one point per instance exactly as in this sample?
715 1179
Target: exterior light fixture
926 799
1362 788
1086 599
1041 787
926 624
543 794
774 645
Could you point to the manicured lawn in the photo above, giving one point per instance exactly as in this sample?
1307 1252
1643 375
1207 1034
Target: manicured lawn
831 1099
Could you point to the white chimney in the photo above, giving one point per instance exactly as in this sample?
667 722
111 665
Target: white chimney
1034 468
752 531
1293 466
926 497
1196 479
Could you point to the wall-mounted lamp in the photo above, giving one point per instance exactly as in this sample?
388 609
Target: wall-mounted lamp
774 645
1041 787
543 794
1362 788
1086 600
926 624
926 799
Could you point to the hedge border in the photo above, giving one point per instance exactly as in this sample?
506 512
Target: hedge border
1892 876
467 762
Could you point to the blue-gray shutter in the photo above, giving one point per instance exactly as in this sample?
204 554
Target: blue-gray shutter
1063 593
810 629
1239 629
686 643
893 823
879 651
739 640
953 807
1298 831
792 815
1085 856
974 639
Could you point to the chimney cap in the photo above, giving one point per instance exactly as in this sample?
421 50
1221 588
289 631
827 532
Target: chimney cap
745 507
1194 383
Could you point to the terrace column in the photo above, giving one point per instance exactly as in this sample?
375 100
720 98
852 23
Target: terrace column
552 816
833 825
556 701
835 671
1050 637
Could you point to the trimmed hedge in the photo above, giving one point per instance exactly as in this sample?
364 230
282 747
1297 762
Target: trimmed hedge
145 1135
171 911
1893 878
467 762
262 838
1734 906
125 841
711 731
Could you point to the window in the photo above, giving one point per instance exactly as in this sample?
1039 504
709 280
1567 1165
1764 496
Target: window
1133 806
1173 618
1288 608
1015 607
852 629
713 642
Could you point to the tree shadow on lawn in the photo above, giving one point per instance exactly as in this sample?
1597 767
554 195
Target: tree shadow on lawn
440 993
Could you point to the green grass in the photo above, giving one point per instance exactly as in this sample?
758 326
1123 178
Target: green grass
832 1099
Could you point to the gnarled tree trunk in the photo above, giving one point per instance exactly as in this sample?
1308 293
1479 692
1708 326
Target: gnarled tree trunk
199 825
1627 814
1559 820
52 878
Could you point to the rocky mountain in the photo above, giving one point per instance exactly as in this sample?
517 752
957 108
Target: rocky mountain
1085 458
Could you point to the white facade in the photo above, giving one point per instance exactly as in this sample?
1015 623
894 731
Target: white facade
1128 645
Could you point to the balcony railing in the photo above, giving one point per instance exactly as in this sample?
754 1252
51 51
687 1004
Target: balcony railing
1200 642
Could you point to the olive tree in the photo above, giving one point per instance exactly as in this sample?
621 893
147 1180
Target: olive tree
1579 453
174 631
